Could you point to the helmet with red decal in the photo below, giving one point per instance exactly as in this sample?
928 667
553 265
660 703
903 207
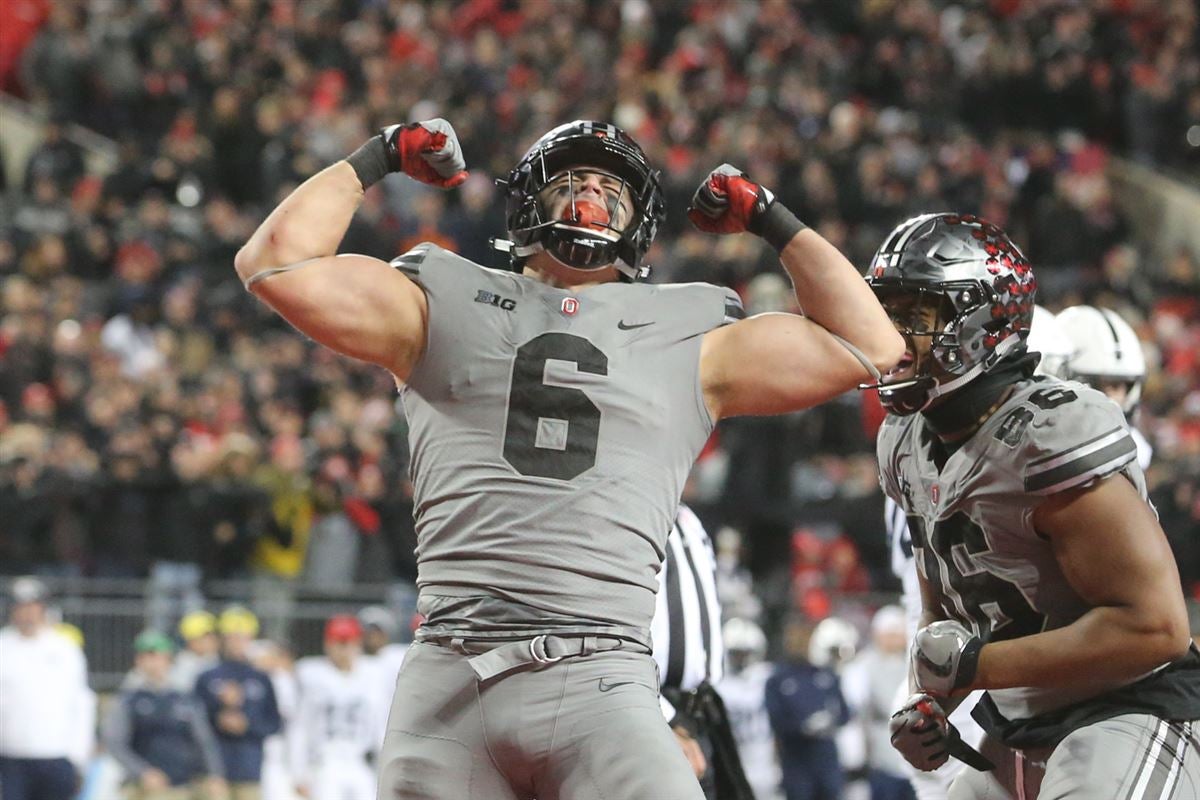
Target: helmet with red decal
961 293
549 209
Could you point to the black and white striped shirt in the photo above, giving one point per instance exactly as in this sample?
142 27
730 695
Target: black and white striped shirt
686 629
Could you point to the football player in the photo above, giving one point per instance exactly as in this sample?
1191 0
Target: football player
743 688
1045 577
1045 337
554 412
334 737
1106 355
379 626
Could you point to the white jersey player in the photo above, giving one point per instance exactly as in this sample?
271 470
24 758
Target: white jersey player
743 688
335 736
379 627
1106 355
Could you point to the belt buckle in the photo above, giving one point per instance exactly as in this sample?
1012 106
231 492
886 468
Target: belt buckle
539 642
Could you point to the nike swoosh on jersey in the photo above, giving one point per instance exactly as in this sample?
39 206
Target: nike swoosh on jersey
608 687
621 324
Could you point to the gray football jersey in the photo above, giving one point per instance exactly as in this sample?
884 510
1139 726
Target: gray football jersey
551 433
972 523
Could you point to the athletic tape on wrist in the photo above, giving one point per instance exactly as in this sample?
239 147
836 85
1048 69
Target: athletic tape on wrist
370 162
778 225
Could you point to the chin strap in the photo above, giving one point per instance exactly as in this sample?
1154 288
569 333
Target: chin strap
518 254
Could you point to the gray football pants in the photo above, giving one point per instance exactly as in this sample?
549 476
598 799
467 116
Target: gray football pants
584 728
1131 757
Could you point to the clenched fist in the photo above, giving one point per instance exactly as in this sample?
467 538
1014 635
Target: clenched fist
427 151
729 202
921 733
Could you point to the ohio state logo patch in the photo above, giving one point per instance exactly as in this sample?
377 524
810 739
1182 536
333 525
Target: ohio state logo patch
570 306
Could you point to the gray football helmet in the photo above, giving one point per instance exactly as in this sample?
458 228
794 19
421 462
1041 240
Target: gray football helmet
981 286
586 145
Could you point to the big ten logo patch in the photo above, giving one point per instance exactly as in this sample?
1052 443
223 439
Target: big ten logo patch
493 299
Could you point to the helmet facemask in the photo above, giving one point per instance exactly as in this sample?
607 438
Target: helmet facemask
921 316
937 322
583 230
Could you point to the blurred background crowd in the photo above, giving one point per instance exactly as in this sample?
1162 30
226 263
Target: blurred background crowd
153 413
157 422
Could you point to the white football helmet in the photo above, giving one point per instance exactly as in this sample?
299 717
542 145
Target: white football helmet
833 643
743 636
1046 336
1104 350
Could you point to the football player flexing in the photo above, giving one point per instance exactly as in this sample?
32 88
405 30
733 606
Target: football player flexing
1045 577
554 412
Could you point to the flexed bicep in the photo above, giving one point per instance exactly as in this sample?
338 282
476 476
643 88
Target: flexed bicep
355 305
773 364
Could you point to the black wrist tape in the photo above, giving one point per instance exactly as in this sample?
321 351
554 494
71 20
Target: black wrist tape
370 162
968 663
778 225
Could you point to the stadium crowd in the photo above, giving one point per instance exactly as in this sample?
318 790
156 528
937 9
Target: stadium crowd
156 421
154 417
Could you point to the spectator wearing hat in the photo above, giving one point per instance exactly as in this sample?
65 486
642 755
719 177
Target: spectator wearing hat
159 733
339 724
201 648
47 711
241 705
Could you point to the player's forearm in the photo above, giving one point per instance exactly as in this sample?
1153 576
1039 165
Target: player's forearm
1105 648
834 295
309 223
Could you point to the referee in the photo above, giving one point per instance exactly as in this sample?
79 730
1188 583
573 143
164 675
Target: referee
686 633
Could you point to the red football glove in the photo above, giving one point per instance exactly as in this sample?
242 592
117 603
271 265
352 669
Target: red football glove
427 151
728 202
920 732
